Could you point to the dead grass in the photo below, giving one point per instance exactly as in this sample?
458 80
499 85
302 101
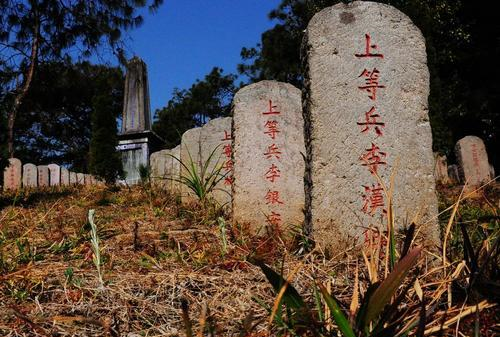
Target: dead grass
158 255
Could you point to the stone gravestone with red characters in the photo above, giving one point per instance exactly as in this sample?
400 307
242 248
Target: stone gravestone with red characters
216 149
43 175
30 175
473 165
268 147
366 90
12 175
55 174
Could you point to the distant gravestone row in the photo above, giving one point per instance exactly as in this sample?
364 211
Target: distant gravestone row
17 175
358 148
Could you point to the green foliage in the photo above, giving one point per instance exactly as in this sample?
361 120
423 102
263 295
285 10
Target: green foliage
105 162
206 99
461 48
54 122
374 317
201 178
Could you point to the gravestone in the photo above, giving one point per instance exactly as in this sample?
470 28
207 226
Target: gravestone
64 176
12 175
216 148
43 175
158 162
72 178
441 169
453 174
55 174
473 165
80 178
176 168
366 91
87 179
30 175
268 147
136 140
190 155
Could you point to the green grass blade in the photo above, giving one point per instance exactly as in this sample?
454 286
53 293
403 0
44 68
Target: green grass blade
337 313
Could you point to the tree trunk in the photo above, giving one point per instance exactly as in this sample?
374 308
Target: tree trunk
24 90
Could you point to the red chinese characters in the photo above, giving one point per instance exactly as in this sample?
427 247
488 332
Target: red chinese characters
372 120
272 154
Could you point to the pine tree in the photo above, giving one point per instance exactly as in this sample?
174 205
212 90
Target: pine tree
105 161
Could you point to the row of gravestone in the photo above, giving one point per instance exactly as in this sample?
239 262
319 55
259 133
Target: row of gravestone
338 156
17 175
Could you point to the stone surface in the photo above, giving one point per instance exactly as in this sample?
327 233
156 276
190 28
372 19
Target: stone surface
453 174
72 178
366 113
64 176
473 165
43 175
30 175
268 147
87 179
176 168
55 174
441 169
136 109
190 153
12 175
158 164
215 147
80 178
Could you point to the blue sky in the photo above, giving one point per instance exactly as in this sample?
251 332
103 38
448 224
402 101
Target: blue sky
186 38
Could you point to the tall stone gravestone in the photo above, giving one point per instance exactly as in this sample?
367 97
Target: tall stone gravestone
367 83
216 149
55 174
64 176
268 147
12 175
43 175
136 140
190 156
473 165
30 175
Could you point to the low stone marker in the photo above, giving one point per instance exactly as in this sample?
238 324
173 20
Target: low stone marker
30 175
43 176
55 174
190 153
215 137
80 178
441 169
268 147
64 176
12 175
366 91
453 174
158 162
72 178
473 165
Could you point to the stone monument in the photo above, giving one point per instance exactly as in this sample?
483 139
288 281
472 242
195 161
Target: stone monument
473 165
136 140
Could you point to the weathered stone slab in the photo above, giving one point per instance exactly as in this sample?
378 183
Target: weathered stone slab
136 115
366 90
30 175
453 174
158 163
190 153
43 175
73 178
64 176
12 175
80 178
268 147
216 147
473 165
441 169
55 174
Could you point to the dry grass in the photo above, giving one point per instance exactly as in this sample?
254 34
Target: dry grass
158 256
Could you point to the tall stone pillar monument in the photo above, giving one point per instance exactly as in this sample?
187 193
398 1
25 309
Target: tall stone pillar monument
136 140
